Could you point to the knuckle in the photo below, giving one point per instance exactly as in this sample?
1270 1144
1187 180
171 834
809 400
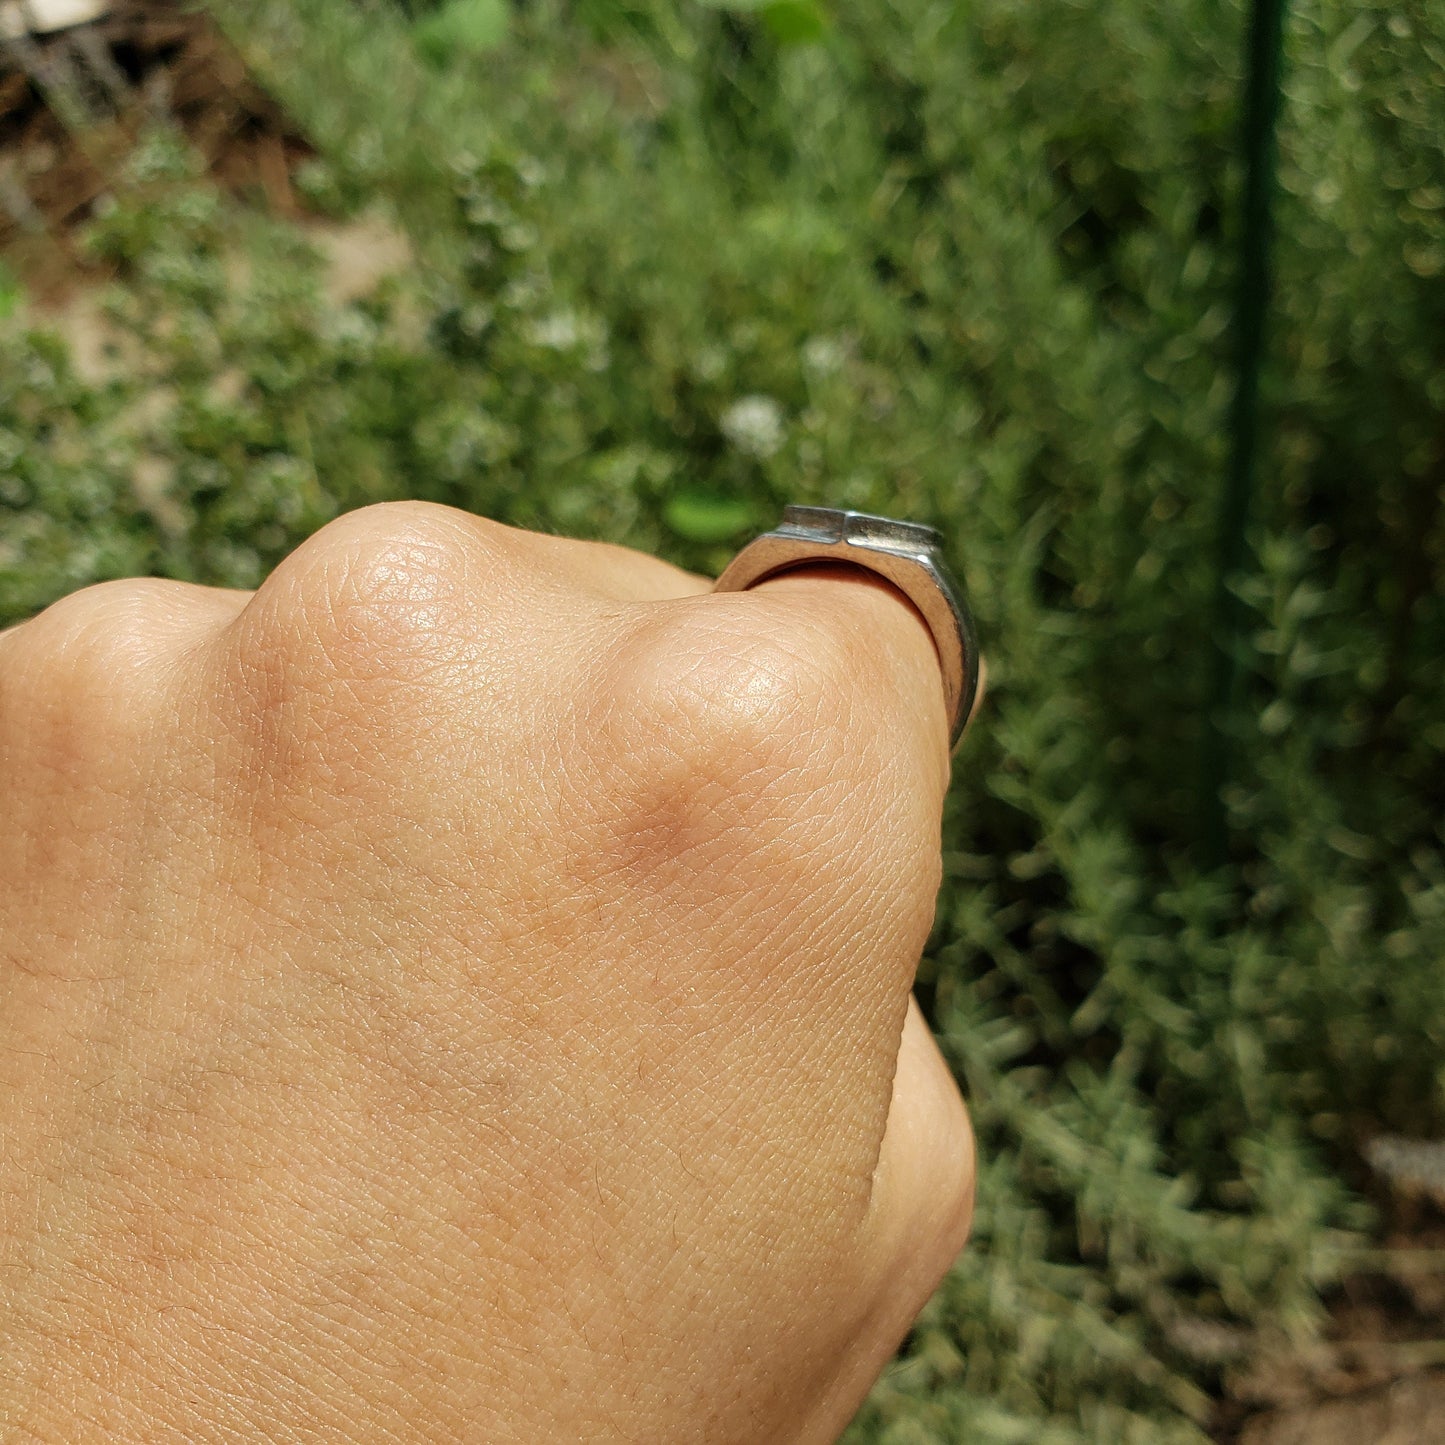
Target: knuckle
354 651
763 725
707 731
80 677
374 588
94 640
767 697
728 704
829 679
374 613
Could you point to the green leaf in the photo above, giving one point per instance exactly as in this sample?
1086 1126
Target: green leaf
795 22
10 292
464 27
789 22
707 517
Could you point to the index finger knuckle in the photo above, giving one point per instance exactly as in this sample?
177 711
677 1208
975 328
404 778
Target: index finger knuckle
712 739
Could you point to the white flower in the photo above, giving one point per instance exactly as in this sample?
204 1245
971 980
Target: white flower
824 355
754 425
570 331
557 332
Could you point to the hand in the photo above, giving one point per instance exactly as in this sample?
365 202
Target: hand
455 993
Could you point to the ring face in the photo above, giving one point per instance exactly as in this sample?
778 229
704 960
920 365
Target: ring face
827 524
907 554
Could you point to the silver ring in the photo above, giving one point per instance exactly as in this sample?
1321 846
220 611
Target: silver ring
906 554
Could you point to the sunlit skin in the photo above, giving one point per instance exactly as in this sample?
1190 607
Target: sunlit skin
460 992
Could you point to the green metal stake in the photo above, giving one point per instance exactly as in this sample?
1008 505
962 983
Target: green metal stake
1264 45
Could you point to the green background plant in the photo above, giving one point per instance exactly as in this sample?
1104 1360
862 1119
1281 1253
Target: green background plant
679 264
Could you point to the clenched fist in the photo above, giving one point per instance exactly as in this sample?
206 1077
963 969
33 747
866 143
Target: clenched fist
460 992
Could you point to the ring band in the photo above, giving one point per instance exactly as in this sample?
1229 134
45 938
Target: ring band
906 554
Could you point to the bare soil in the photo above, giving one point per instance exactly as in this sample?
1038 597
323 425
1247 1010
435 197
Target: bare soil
73 103
1410 1411
1376 1376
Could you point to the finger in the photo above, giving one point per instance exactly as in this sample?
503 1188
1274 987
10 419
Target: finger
919 1219
923 1187
816 855
980 693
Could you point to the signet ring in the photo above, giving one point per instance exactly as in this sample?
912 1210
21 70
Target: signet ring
906 554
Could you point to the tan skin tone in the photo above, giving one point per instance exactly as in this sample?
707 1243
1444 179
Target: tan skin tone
455 994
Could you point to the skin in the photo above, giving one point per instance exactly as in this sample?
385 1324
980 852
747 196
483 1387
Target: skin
460 992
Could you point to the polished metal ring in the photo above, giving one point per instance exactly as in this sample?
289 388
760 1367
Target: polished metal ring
904 553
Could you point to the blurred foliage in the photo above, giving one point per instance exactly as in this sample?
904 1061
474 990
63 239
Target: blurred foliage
10 292
680 264
459 29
